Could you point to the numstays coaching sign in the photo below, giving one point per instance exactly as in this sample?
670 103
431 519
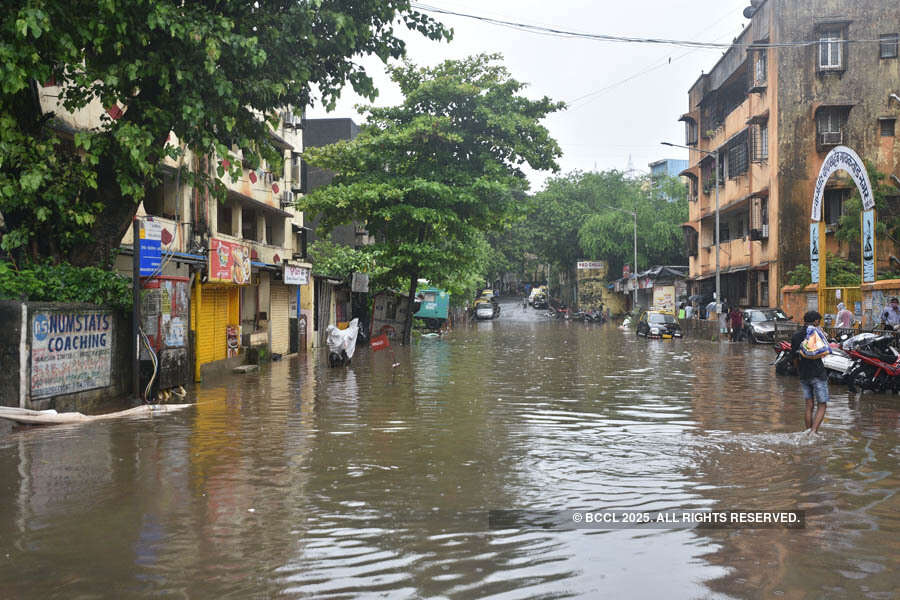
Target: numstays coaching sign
71 351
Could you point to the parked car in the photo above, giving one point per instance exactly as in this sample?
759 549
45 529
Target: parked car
658 324
486 309
759 324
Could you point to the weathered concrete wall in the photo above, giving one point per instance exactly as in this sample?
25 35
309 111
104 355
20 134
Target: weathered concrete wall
10 329
865 84
81 401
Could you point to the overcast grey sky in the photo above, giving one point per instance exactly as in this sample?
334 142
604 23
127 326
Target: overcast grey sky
624 98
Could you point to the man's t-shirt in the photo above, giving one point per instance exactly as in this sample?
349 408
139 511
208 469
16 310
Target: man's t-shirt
808 368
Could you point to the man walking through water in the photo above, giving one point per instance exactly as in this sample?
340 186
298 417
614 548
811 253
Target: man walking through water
813 379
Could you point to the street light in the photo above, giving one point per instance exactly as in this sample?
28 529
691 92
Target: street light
634 215
715 154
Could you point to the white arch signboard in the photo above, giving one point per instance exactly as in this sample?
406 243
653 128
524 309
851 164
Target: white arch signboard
842 158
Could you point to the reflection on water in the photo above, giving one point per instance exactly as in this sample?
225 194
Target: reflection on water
376 481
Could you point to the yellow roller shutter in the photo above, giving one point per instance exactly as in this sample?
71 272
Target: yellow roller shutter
279 324
212 319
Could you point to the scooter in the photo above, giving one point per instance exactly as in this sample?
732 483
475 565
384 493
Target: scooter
784 361
341 344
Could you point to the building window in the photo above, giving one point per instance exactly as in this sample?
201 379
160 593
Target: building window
248 225
830 124
223 219
888 45
887 127
737 157
831 48
760 70
723 233
760 133
834 205
690 132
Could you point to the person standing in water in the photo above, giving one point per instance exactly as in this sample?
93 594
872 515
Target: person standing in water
813 379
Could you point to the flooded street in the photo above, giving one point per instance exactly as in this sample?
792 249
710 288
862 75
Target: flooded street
304 481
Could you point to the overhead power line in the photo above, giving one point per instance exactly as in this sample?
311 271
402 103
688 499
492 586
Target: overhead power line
602 37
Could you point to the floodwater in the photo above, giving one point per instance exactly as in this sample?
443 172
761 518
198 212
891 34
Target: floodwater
304 481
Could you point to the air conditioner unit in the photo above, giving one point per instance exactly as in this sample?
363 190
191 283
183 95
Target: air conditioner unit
832 138
287 198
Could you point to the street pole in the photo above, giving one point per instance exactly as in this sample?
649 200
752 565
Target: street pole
718 283
634 302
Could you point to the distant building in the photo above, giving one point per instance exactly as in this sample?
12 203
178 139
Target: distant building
323 132
772 110
667 167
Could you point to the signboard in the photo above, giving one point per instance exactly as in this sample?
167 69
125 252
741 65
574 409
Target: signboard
814 251
626 270
294 275
229 262
360 283
150 247
868 246
664 297
71 351
842 158
593 265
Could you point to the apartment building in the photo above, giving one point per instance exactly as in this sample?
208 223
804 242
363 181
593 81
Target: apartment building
803 77
232 274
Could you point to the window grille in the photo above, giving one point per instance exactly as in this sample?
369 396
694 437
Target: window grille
888 45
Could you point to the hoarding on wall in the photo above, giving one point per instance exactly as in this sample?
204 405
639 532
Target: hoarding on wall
150 247
294 275
71 351
229 262
590 269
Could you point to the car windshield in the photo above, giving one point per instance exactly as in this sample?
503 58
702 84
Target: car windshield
767 315
659 318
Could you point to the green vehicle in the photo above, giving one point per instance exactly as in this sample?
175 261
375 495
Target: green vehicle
435 307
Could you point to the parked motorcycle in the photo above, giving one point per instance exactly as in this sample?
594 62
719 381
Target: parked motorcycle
838 363
341 343
876 364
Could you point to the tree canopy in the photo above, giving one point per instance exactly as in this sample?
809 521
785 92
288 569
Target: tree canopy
429 177
212 73
588 216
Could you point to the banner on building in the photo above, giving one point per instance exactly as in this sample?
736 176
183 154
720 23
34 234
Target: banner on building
229 262
814 251
868 246
149 247
294 275
71 351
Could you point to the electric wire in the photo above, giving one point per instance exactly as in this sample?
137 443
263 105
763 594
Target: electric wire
603 37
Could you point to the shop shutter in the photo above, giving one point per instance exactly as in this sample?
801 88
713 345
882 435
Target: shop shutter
212 319
279 323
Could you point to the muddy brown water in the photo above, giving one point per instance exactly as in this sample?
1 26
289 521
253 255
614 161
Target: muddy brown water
304 481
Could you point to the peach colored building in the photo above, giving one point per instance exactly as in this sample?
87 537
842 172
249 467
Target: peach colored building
803 77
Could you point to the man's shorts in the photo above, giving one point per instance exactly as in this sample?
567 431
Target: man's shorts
815 388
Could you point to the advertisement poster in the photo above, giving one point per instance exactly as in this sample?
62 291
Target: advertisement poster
664 297
70 352
814 251
229 262
294 275
868 245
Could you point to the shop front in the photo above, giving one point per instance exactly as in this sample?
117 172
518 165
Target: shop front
215 310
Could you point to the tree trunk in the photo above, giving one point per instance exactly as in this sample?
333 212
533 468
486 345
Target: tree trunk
407 329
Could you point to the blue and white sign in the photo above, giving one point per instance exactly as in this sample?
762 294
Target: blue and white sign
814 251
150 248
868 246
71 351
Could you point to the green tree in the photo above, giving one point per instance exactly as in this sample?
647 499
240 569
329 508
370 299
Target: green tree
430 176
587 215
214 73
